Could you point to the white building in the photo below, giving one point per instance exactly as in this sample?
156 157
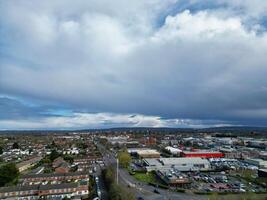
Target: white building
173 151
181 164
144 152
71 151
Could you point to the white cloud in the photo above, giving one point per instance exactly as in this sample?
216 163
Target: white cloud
115 58
97 120
200 26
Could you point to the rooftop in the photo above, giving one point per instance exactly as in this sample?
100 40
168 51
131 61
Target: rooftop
201 152
143 151
172 149
179 161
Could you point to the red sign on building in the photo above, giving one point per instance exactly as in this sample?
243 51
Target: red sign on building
201 154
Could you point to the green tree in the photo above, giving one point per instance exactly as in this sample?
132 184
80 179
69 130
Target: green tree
54 154
53 144
15 145
30 150
103 141
115 191
124 158
1 150
68 158
46 160
91 187
48 170
109 176
82 145
126 194
8 174
118 192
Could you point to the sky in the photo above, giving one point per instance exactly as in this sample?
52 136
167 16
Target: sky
140 63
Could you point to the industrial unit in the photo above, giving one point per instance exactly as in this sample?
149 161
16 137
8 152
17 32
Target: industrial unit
202 154
181 164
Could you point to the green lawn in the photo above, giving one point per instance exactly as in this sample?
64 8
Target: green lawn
146 177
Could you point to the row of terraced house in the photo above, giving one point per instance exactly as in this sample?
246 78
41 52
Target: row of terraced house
50 191
71 185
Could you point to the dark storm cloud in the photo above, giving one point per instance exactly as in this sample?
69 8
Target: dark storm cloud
14 109
199 61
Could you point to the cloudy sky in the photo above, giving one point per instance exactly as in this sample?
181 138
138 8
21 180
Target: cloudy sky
68 64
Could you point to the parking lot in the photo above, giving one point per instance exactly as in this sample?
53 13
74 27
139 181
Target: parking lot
221 182
233 164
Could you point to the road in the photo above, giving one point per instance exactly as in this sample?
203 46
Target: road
141 189
103 190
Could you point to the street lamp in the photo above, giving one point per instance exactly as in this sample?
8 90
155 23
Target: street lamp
117 170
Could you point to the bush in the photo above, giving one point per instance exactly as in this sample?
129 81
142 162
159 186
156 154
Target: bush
68 158
54 154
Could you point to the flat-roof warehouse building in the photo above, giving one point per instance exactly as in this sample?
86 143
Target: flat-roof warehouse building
181 164
202 154
144 153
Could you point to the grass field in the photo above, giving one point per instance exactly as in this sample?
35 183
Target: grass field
146 177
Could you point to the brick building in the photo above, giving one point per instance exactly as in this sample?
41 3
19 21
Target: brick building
32 192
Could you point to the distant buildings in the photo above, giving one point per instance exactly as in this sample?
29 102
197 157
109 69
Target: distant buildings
147 141
119 140
257 144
